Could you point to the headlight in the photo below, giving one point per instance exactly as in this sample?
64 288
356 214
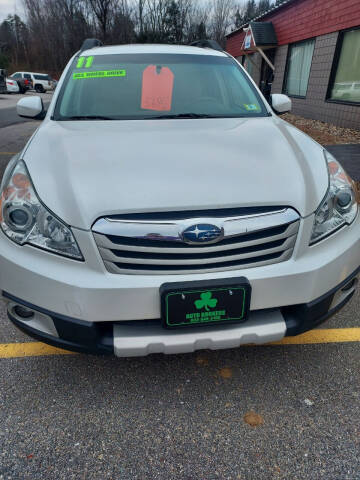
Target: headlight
339 207
24 219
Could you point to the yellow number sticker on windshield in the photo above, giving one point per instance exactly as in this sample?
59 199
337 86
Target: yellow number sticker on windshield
89 62
100 74
80 62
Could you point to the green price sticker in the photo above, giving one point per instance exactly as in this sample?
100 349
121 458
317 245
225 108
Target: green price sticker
99 74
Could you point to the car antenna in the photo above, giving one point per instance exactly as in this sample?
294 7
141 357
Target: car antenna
207 44
89 43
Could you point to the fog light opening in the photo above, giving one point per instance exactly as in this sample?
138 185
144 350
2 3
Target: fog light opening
23 312
350 285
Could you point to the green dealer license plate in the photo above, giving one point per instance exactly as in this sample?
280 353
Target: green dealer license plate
205 303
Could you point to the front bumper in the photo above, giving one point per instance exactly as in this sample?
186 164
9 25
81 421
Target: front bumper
81 306
126 339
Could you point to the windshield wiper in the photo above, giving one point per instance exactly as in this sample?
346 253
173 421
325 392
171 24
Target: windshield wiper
182 115
88 117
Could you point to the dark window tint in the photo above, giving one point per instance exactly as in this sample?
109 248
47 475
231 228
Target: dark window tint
346 83
41 77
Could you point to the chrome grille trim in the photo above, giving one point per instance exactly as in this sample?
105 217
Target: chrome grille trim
104 242
156 247
171 230
113 268
108 255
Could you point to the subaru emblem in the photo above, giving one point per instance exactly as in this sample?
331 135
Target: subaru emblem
202 233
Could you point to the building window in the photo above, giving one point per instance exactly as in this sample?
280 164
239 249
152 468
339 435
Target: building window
298 68
345 79
249 66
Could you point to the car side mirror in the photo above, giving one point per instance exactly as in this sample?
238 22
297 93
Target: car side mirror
280 103
31 107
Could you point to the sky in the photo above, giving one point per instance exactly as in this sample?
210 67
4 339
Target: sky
8 6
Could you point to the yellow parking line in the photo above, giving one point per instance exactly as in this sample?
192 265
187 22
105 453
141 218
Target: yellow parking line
29 349
334 335
7 153
331 335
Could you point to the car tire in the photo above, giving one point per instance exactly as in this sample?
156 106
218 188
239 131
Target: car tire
39 89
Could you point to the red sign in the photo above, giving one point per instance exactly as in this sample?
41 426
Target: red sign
157 88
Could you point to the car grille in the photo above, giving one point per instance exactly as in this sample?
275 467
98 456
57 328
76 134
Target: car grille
154 243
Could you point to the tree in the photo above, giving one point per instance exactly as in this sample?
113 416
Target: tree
122 30
250 10
4 61
239 17
221 19
13 40
198 22
122 26
140 13
263 6
103 11
55 29
173 24
201 31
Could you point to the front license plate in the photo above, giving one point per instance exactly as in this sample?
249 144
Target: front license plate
205 303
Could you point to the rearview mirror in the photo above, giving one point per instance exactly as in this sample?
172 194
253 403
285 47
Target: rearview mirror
280 103
31 107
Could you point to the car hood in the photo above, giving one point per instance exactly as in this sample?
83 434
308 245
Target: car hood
86 169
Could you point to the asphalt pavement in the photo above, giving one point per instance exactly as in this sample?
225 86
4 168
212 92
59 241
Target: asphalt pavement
349 156
271 412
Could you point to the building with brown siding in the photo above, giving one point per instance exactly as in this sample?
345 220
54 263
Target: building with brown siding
315 55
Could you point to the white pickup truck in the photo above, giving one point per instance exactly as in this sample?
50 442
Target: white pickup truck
40 82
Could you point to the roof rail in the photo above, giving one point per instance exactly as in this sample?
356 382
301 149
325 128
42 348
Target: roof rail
90 43
207 44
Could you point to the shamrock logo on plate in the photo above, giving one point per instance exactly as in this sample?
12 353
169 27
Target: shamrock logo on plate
206 301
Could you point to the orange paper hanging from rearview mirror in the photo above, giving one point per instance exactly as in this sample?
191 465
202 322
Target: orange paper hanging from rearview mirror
157 88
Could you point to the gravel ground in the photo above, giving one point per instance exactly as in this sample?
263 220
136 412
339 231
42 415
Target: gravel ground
324 133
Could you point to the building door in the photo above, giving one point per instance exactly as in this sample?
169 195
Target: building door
267 74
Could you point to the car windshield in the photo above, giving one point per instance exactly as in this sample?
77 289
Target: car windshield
145 86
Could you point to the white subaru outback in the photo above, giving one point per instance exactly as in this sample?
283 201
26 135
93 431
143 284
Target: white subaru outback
163 206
